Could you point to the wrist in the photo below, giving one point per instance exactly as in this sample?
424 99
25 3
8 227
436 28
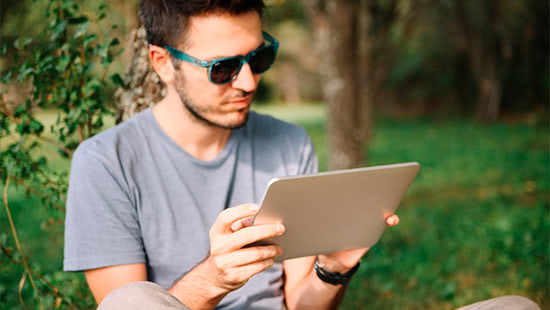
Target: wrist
334 278
333 265
197 289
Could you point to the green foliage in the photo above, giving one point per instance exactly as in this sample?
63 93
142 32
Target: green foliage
475 223
65 68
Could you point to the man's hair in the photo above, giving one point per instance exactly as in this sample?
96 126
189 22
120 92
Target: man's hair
166 21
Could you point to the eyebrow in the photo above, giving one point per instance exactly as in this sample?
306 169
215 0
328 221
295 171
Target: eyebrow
222 56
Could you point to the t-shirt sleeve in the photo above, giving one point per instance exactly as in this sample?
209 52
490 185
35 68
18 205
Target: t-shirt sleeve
308 161
101 224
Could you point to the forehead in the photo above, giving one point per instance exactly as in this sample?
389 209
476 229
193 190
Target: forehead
216 35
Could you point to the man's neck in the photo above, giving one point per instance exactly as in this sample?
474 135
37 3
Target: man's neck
200 140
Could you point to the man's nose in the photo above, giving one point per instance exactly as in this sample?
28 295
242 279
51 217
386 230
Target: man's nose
245 80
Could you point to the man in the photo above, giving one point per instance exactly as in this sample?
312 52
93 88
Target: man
168 195
148 199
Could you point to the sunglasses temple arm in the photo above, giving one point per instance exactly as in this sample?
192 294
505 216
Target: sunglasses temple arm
270 39
182 56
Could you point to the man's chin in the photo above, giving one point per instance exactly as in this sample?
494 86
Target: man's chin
238 123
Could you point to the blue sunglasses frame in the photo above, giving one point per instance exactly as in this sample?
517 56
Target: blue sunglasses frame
242 59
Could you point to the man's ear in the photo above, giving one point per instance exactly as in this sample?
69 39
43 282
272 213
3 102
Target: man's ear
162 64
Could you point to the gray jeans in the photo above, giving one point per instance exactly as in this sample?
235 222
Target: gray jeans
148 295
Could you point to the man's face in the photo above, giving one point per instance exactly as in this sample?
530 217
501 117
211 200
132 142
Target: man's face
211 37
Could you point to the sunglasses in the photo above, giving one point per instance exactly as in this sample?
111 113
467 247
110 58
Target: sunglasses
226 69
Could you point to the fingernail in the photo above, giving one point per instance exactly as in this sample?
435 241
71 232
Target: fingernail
280 228
247 222
254 208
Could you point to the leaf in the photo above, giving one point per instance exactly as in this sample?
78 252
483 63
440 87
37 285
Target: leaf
117 80
57 30
20 287
114 42
103 50
62 64
57 302
78 20
88 67
22 43
3 239
7 77
82 28
89 39
41 161
98 123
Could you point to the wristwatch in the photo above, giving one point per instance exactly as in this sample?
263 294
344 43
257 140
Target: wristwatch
334 278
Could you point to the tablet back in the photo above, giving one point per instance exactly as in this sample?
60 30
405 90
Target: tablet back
336 210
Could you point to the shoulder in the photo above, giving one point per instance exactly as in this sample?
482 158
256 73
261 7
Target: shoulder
120 140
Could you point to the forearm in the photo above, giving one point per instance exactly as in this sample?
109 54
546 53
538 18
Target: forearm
312 293
195 289
230 264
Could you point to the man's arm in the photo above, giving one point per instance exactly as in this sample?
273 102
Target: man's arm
303 288
102 281
228 267
230 263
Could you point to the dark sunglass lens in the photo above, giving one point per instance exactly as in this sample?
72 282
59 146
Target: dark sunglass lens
223 71
263 59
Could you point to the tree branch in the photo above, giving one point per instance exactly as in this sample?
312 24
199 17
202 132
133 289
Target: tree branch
16 238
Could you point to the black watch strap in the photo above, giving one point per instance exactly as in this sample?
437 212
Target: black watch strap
334 278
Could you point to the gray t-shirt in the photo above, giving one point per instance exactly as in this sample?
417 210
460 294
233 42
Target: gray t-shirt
135 196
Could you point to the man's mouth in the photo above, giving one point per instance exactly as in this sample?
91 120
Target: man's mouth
240 103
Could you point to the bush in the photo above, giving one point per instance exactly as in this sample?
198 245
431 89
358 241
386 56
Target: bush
65 68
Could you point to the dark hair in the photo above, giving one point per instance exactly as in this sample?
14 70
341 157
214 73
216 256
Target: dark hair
166 21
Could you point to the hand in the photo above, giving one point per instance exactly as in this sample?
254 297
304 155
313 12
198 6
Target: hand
231 264
343 261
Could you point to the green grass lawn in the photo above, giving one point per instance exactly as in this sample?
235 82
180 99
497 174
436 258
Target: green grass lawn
474 225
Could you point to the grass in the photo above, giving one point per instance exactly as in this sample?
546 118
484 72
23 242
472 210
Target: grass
474 225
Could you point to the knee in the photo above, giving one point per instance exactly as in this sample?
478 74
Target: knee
518 302
511 302
140 295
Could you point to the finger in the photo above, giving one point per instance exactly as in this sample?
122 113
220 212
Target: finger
392 220
230 215
247 256
243 273
247 236
238 224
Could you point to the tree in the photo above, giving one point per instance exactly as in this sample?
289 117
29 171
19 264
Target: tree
355 41
64 69
488 31
141 87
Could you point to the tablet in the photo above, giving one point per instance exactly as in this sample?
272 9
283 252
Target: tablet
335 210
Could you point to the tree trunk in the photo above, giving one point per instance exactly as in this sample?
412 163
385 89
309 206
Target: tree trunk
490 94
142 86
341 80
483 50
336 30
290 84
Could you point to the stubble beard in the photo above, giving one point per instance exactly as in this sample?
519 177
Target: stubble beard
197 112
